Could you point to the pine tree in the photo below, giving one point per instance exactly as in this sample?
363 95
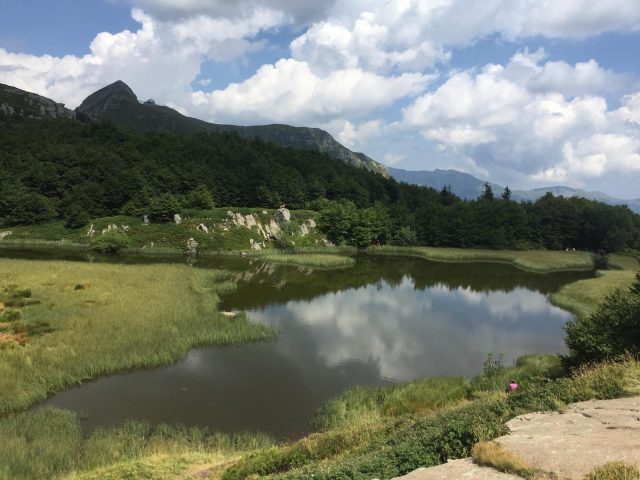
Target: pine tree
488 192
506 195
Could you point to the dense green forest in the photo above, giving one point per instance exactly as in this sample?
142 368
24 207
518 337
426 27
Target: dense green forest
52 169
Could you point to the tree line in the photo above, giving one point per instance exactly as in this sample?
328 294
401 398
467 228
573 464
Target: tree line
65 169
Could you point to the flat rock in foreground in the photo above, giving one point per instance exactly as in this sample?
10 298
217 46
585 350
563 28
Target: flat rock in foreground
463 469
572 444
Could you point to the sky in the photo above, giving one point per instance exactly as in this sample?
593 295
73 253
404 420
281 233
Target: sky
528 93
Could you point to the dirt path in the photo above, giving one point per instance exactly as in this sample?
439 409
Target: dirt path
569 444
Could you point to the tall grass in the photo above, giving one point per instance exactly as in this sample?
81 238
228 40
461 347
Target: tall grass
305 259
123 317
49 444
542 261
362 440
584 296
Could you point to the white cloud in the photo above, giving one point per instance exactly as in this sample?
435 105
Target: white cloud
391 158
357 135
533 117
291 92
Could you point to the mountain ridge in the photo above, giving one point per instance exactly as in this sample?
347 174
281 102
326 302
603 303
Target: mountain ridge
466 186
118 103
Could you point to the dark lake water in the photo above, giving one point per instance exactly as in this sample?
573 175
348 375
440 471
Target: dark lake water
384 320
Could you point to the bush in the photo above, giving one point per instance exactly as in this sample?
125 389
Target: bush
163 207
611 332
76 217
111 242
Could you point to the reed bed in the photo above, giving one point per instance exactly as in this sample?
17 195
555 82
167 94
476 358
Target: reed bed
306 259
583 297
541 261
108 318
133 451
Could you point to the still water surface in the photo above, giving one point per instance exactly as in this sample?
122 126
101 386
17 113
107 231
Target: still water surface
382 321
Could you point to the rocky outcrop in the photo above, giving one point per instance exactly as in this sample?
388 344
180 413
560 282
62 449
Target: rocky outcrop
177 219
458 469
282 215
4 235
20 103
192 248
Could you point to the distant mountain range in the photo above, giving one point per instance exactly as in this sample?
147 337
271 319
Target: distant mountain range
119 104
467 186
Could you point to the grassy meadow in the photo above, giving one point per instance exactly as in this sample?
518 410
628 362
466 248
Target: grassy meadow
103 318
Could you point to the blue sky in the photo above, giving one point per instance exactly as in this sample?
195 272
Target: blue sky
529 93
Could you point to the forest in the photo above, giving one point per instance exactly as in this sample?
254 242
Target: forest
66 169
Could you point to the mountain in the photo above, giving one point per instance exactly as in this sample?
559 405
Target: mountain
467 186
18 103
119 104
462 184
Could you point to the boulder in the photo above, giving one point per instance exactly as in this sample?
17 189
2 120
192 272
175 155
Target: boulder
282 215
91 232
193 247
177 219
145 220
4 235
203 228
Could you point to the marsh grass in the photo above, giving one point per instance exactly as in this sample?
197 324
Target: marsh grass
305 259
126 317
49 444
583 297
542 261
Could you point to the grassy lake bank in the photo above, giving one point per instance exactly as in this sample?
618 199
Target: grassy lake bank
107 318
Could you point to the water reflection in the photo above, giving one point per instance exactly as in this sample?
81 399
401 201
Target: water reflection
382 321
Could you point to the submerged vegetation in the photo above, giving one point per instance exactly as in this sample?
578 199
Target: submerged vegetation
103 318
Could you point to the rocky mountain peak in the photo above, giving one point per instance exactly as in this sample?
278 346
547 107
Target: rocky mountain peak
111 97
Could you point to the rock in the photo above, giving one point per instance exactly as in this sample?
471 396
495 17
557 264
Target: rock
91 232
311 223
243 254
4 235
146 220
573 443
264 212
327 243
177 219
229 314
193 247
203 228
125 228
282 215
458 469
256 246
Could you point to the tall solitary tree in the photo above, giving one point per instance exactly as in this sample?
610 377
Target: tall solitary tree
488 192
506 194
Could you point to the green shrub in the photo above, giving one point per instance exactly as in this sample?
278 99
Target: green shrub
111 242
612 331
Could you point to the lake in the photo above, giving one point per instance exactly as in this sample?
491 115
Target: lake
382 321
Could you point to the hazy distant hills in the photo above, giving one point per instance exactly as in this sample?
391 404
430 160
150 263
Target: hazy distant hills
467 186
119 104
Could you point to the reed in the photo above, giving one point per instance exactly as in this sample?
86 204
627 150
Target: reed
542 261
123 317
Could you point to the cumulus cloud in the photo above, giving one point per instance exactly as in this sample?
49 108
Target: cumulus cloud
289 91
533 117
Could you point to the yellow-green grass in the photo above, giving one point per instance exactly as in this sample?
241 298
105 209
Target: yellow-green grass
305 259
542 261
584 296
493 454
614 471
49 444
109 318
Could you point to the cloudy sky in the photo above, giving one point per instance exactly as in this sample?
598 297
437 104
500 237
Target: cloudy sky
525 92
